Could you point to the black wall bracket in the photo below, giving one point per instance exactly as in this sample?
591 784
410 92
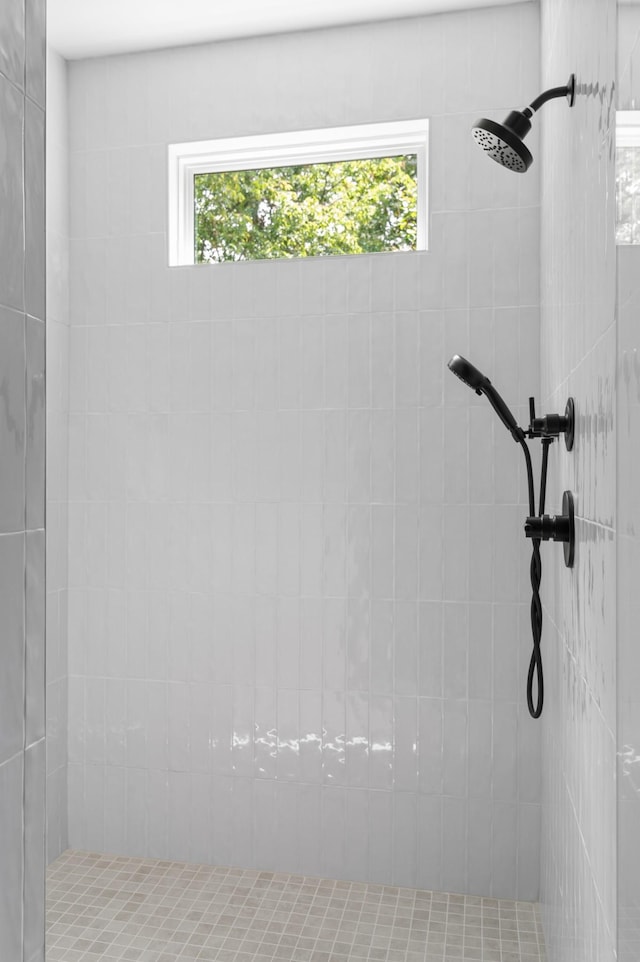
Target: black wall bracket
560 527
553 425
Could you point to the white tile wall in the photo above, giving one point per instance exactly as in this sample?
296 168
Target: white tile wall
297 578
628 553
578 357
57 255
22 478
628 558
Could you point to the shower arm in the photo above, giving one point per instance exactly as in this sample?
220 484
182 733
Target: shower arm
568 91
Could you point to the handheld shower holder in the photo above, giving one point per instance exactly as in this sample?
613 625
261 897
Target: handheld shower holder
553 425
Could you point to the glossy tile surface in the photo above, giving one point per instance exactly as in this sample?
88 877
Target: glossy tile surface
12 420
35 50
34 851
628 531
57 452
628 557
11 855
12 257
35 637
297 580
34 210
22 558
128 908
578 358
12 710
12 40
35 422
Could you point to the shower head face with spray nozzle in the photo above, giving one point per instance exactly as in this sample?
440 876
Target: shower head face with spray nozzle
503 142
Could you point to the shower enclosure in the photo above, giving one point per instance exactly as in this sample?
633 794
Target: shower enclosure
297 619
288 593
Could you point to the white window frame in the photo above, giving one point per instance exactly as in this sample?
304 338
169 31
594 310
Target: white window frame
628 128
286 149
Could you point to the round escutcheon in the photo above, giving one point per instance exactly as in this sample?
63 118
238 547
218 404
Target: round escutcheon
569 432
569 547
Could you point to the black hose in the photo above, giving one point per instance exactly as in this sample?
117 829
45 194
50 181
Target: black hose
535 664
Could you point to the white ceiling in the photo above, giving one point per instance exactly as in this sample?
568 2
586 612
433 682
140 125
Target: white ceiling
90 28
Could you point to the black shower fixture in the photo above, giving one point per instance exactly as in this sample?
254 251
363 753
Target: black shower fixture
471 376
553 425
539 527
504 142
559 528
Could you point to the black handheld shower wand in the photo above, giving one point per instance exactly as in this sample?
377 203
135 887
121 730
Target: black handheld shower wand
481 384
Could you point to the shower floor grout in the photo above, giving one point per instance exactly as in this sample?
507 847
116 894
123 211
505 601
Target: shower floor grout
103 907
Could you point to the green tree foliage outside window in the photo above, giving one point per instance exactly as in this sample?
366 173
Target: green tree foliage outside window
628 195
348 207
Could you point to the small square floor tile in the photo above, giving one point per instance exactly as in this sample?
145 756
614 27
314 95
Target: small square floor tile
120 909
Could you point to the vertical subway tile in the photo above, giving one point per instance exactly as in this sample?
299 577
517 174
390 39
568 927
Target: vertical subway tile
11 854
35 424
405 763
12 49
280 497
357 740
34 209
12 421
357 834
381 742
454 747
430 842
266 733
35 637
405 834
479 825
406 648
311 643
34 851
503 862
454 827
12 596
381 834
333 829
382 638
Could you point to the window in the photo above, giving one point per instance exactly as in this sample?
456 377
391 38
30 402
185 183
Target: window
628 177
343 190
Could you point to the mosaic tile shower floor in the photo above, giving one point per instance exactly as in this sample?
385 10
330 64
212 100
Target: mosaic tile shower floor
102 907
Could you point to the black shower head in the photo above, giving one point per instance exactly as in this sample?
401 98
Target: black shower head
481 384
504 142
